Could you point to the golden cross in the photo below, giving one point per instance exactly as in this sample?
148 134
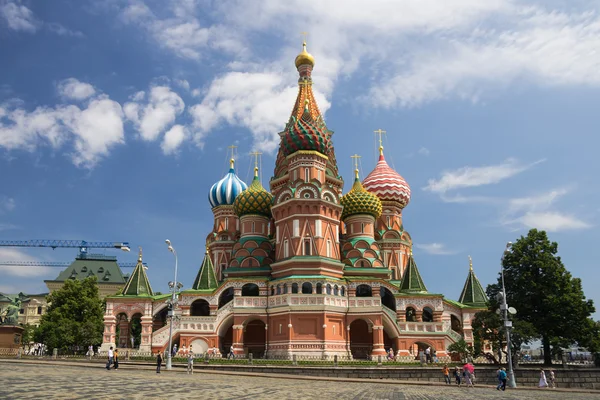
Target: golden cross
232 147
140 255
470 264
304 35
256 155
355 158
380 133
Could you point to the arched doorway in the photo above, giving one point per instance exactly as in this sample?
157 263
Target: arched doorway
255 338
226 297
226 338
456 324
160 319
250 289
361 340
199 346
427 314
135 327
122 331
200 308
417 347
364 291
411 315
387 298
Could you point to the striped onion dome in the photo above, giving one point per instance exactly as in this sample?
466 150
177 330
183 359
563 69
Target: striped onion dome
227 189
305 133
359 201
254 200
386 183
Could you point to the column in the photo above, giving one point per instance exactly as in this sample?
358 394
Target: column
437 316
238 340
419 315
108 338
378 345
146 344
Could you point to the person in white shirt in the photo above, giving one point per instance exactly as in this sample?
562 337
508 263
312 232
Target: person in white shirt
110 358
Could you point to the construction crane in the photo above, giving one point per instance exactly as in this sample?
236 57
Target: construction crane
57 264
82 245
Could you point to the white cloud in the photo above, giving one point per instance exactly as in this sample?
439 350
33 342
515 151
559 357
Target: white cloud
62 30
173 139
92 130
11 254
7 204
439 249
154 117
465 177
258 101
72 88
18 17
424 151
551 221
7 227
182 83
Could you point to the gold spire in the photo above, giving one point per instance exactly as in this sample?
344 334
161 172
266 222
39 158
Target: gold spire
380 133
411 251
140 255
256 154
355 159
206 250
232 160
304 57
470 264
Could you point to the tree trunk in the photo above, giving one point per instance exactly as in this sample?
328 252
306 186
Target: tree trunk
547 351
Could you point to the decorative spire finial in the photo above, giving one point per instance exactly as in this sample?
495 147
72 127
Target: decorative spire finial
232 160
206 250
380 133
256 155
140 255
304 35
411 251
355 160
470 264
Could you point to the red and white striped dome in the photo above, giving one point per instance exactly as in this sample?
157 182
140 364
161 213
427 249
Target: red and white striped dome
387 184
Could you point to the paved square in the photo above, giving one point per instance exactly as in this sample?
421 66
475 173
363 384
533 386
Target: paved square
20 381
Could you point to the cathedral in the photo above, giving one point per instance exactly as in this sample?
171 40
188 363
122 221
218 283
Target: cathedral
301 268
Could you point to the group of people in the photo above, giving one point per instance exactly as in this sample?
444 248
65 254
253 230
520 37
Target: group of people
466 375
189 355
113 358
549 381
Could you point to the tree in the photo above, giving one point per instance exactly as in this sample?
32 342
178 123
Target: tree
462 348
28 335
74 317
544 293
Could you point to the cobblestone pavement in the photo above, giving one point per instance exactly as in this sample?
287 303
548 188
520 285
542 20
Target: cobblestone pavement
68 382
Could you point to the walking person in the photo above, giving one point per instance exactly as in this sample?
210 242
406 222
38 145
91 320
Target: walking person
446 372
110 358
174 349
116 359
552 379
428 355
501 379
158 361
457 376
90 352
190 362
543 382
467 375
231 353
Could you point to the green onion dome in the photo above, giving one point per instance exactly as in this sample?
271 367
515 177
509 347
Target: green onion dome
254 200
359 201
305 133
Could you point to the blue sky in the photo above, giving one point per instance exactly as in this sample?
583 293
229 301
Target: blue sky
115 119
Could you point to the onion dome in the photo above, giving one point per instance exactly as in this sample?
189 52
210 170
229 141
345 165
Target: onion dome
304 57
227 189
386 183
360 201
305 133
254 200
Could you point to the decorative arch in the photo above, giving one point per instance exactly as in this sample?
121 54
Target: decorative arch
284 195
200 308
427 314
129 312
329 196
307 288
364 290
411 314
250 289
226 296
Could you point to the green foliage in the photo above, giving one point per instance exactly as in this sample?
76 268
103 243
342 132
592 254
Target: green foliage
28 335
74 316
462 348
550 302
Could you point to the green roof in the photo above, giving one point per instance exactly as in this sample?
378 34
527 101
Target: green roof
412 281
138 284
473 293
206 278
105 268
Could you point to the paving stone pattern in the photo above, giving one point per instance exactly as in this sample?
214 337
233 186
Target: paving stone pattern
20 381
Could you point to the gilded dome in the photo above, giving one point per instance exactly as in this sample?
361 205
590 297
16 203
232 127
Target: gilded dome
304 57
360 201
227 189
254 200
387 184
305 133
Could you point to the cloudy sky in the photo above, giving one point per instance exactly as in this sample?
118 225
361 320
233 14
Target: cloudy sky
115 117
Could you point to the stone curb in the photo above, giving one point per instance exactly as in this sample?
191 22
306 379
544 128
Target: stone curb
181 367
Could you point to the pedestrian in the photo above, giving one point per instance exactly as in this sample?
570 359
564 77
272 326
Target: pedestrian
116 359
457 376
158 362
501 379
391 354
543 383
110 358
174 349
231 354
428 354
90 352
190 360
446 372
467 376
435 357
552 379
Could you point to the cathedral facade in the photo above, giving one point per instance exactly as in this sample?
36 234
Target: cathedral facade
302 268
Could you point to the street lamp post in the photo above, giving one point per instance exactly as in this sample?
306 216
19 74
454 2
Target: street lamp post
173 286
512 382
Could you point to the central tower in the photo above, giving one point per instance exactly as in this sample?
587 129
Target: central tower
306 189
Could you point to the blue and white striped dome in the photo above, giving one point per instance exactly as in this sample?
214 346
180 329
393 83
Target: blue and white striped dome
227 189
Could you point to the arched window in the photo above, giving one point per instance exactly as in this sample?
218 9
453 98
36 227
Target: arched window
226 297
336 290
427 314
200 308
253 227
250 289
411 315
226 223
272 290
343 291
319 288
307 247
286 249
362 227
328 288
307 288
294 288
364 291
278 289
285 288
387 298
306 174
329 248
